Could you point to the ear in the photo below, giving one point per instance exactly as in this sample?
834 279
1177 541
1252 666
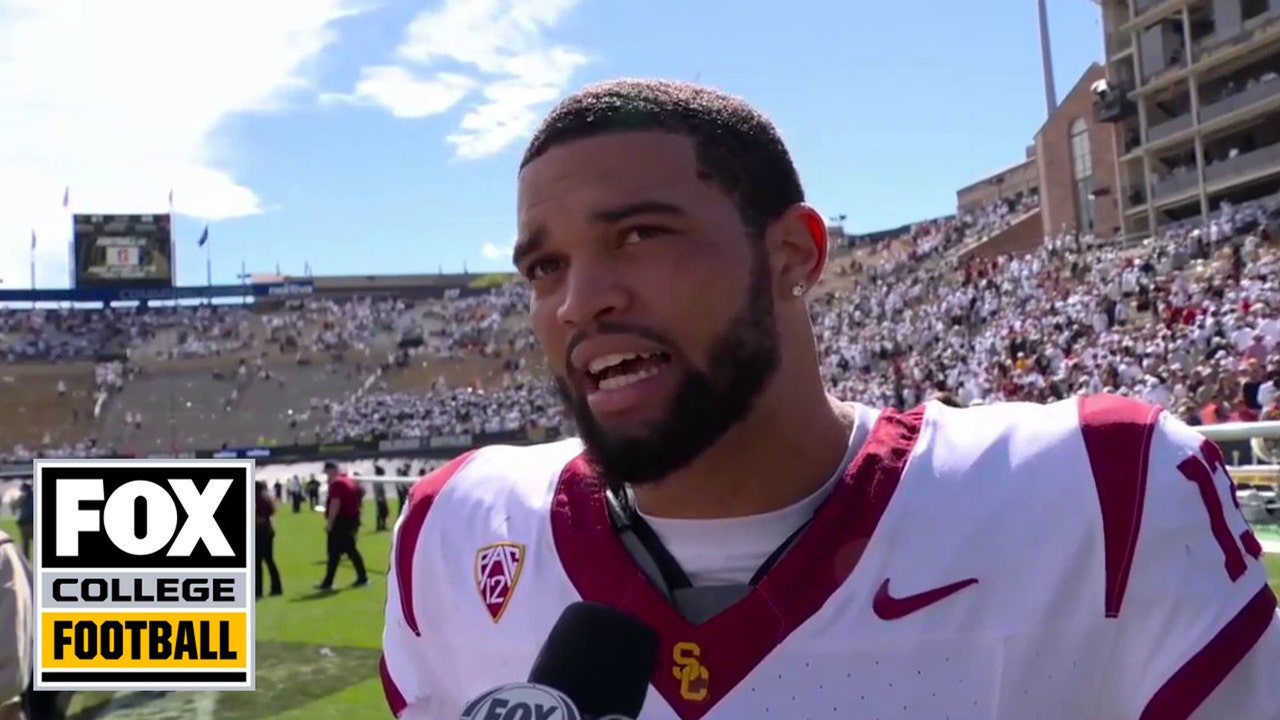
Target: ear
797 242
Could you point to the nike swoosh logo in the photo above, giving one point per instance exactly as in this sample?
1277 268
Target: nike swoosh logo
888 607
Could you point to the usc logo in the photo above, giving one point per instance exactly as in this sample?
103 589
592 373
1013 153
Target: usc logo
691 673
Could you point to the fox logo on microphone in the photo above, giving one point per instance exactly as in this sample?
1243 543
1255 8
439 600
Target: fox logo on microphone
142 574
521 701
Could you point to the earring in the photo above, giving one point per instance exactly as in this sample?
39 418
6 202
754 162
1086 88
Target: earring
798 290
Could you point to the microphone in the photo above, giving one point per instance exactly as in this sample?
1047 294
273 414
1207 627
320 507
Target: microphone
595 665
601 658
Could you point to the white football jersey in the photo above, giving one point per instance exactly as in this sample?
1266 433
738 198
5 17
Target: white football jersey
1078 560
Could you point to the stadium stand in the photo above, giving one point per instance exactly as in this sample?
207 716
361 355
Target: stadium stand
47 406
1186 318
174 411
431 373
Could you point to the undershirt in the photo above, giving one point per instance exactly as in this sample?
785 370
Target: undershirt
724 551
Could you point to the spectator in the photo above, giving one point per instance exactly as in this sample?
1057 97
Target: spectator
16 618
264 547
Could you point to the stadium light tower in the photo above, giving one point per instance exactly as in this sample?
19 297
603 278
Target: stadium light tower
1046 60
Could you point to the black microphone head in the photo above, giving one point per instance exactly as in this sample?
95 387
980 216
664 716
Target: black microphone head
601 658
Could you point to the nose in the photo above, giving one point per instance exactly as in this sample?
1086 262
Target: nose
593 290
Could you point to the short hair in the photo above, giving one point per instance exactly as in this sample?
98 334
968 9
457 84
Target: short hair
737 148
946 398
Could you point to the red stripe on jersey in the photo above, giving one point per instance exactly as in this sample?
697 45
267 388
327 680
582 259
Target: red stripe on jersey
395 698
421 498
1188 688
1117 438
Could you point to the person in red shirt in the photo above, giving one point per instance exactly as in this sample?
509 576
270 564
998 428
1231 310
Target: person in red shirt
264 548
341 524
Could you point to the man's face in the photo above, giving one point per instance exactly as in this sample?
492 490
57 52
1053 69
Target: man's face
651 299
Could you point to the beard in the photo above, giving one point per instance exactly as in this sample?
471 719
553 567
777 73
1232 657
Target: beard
706 405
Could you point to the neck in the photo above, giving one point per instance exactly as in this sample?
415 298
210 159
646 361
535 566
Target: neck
781 454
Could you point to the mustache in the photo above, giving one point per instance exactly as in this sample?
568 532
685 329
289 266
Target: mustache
616 327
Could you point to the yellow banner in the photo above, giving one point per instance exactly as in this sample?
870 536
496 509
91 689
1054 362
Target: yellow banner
1254 477
144 640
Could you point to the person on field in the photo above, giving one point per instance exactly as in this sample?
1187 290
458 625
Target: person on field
27 516
342 524
264 548
15 628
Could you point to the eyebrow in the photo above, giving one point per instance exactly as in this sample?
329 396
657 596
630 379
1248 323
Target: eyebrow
528 245
535 239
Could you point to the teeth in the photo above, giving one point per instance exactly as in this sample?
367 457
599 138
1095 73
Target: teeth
605 362
620 381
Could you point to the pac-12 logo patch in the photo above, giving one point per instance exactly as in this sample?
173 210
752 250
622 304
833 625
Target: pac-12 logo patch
497 572
142 574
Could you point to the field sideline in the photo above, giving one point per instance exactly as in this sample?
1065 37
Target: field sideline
317 653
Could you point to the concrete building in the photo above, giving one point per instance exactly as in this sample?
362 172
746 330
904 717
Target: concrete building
1075 159
1192 89
1070 166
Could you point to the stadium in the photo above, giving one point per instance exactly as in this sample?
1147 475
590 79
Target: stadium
1132 249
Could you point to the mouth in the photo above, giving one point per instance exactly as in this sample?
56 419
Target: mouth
616 371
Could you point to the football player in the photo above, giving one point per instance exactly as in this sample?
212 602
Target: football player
802 555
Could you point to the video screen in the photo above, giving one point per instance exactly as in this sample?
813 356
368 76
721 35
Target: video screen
123 251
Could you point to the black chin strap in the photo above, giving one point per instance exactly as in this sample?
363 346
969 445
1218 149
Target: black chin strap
696 604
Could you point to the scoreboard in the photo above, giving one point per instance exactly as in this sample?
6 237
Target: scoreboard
123 251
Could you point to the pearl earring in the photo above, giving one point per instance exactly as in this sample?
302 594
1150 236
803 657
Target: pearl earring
798 290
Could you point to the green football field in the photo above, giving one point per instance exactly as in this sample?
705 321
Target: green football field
316 653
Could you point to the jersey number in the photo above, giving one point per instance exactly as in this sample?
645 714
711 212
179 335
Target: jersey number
1200 469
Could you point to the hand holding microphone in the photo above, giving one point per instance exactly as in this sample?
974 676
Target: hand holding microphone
595 665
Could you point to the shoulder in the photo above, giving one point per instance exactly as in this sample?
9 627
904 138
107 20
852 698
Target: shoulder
1115 473
491 476
1065 472
1104 430
449 511
1100 449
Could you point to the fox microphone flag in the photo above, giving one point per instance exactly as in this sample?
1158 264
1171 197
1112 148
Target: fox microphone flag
595 665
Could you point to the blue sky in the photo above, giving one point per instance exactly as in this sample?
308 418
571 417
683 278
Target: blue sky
382 136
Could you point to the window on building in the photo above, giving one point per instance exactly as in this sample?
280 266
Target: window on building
1082 174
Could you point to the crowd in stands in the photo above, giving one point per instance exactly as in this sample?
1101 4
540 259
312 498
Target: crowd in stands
486 325
1189 319
43 335
325 326
1184 319
953 232
526 402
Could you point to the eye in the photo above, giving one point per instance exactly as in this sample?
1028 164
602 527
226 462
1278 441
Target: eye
541 267
640 233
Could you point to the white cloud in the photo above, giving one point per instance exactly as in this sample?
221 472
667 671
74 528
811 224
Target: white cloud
403 94
121 101
504 44
496 252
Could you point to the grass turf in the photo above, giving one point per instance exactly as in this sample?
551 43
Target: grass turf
316 652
